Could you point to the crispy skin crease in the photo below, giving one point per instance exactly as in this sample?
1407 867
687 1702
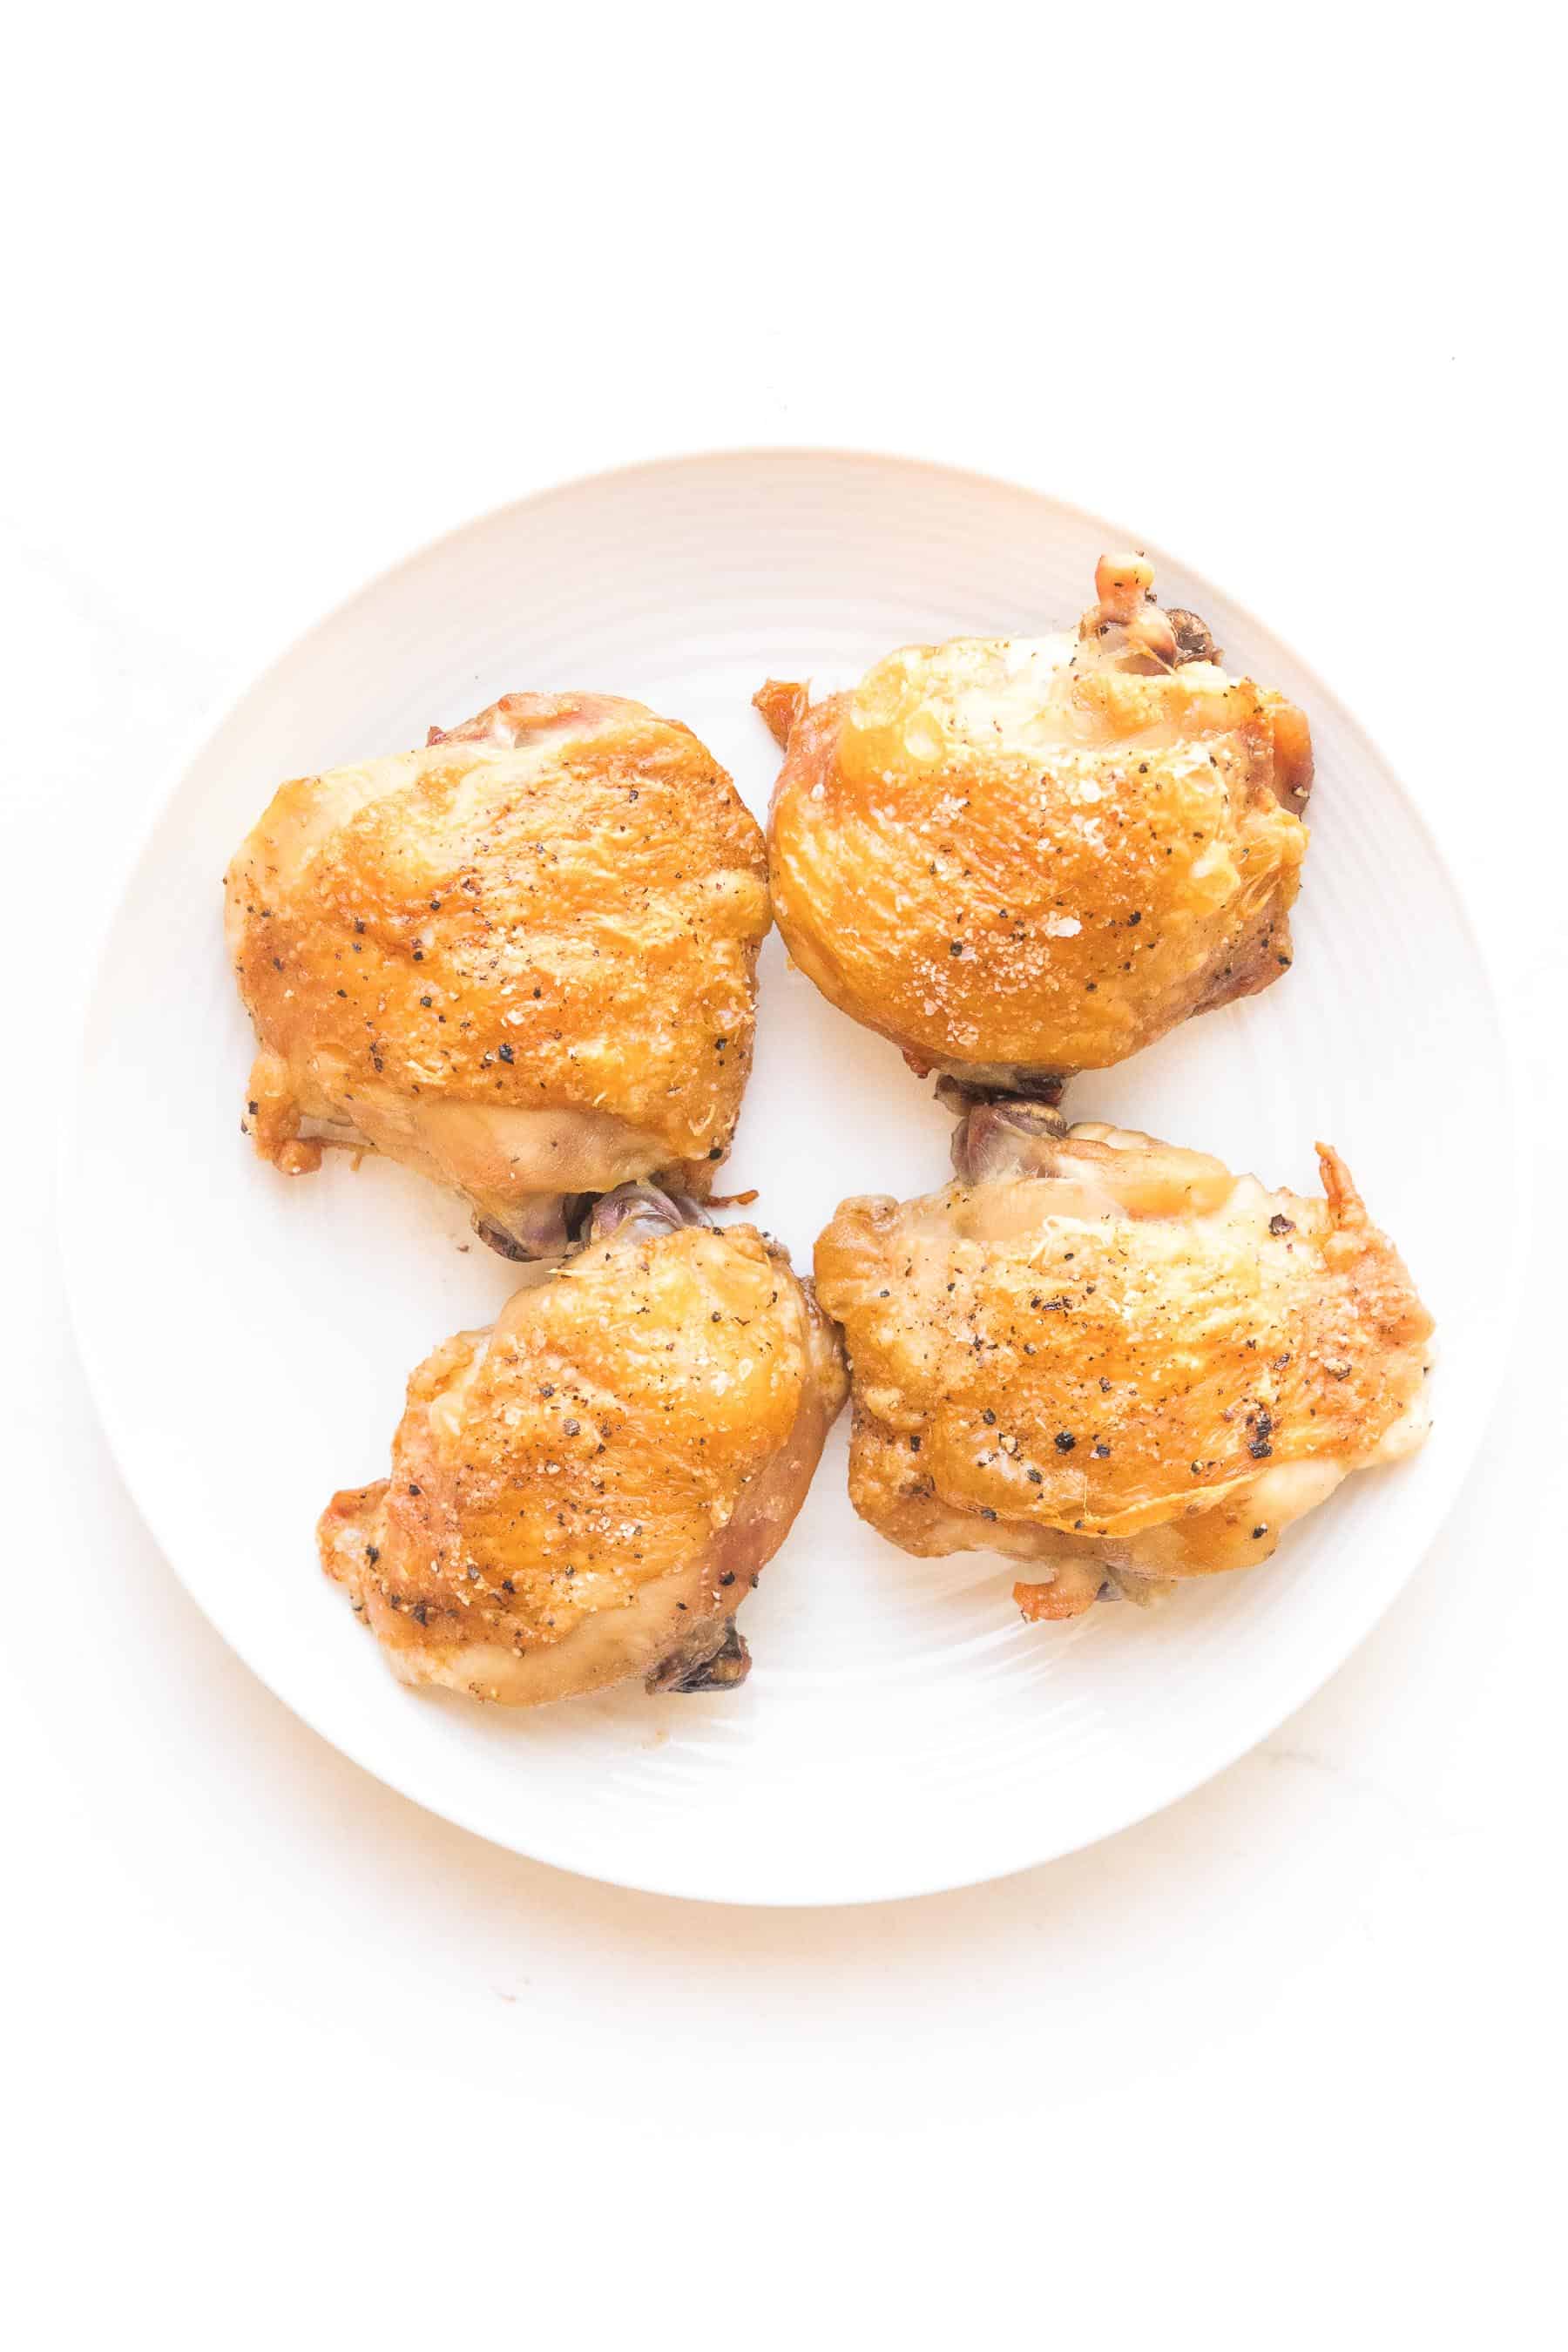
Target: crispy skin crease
1041 853
570 1492
522 960
1138 1367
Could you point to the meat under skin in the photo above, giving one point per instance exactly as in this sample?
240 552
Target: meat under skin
1037 855
1114 1361
585 1492
522 960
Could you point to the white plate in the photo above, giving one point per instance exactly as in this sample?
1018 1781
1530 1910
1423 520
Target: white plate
248 1337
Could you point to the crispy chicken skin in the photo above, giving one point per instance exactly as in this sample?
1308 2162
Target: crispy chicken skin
1113 1359
1020 857
587 1491
522 960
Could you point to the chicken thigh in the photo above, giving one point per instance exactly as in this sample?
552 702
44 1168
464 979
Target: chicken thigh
1021 858
1113 1360
587 1491
523 961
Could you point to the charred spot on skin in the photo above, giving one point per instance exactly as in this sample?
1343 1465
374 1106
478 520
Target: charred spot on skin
1194 639
961 1088
722 1667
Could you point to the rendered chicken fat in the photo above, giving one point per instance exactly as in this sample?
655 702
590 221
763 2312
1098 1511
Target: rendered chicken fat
586 1492
1035 856
522 960
1112 1359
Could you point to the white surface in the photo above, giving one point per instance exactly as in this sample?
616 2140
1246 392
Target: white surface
1282 2066
903 1729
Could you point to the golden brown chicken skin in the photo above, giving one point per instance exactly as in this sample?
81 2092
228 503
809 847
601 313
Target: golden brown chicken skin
586 1492
523 961
1021 858
1114 1359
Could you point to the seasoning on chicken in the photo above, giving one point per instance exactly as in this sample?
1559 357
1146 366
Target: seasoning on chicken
522 960
1114 1361
1022 857
588 1492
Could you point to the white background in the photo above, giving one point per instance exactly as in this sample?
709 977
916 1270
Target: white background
288 2061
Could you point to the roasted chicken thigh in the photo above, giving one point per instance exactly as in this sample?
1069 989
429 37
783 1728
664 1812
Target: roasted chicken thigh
1021 858
522 960
587 1491
1114 1361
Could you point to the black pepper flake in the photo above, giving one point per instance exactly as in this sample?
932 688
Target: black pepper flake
505 1053
1259 1533
989 1418
571 1427
718 1151
914 1446
955 947
372 1554
1260 1448
1066 1441
1102 1451
253 1108
988 1513
1037 1478
1104 1383
419 1613
1280 1224
426 1001
728 1577
547 1391
1134 918
412 1487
